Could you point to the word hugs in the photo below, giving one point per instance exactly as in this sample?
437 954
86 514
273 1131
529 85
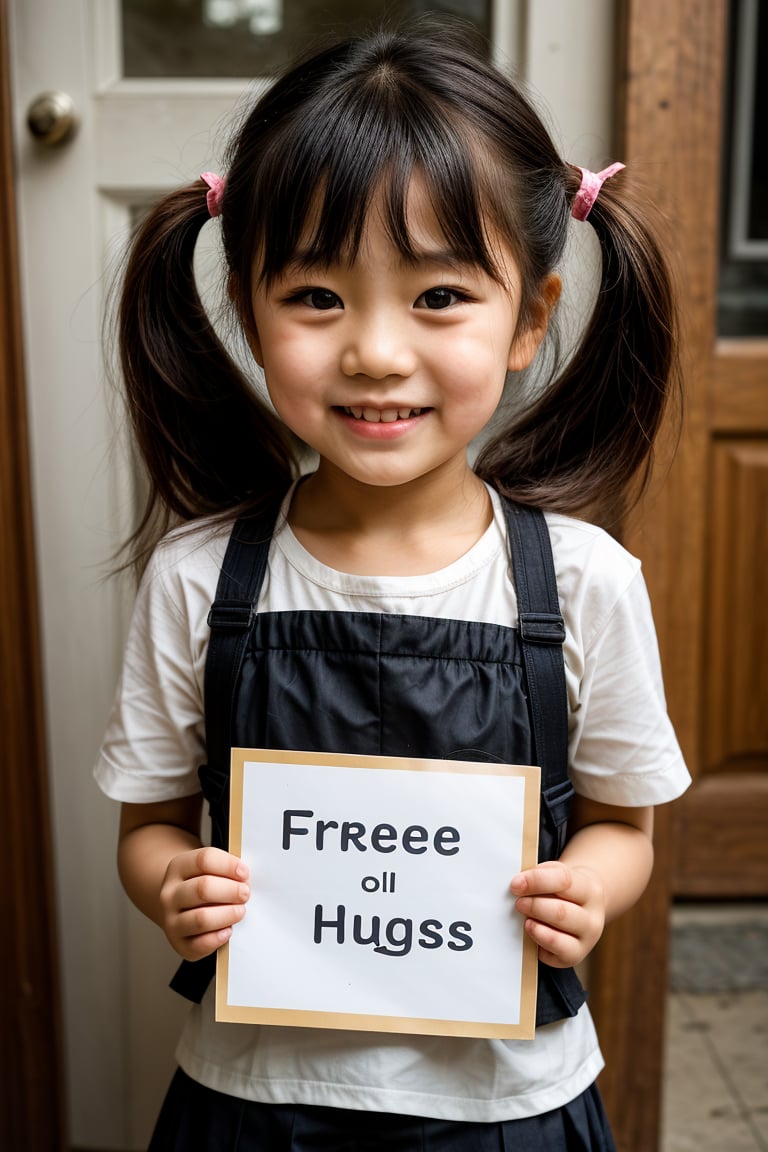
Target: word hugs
393 938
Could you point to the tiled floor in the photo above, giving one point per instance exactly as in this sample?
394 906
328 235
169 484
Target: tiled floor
716 1078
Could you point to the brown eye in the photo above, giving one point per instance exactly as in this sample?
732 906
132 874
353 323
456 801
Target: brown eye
438 298
322 299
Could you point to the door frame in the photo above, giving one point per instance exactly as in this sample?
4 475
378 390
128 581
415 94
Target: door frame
672 62
32 1085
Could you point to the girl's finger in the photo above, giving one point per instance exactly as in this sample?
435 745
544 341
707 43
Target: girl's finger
196 947
548 877
204 921
201 891
210 861
561 915
557 949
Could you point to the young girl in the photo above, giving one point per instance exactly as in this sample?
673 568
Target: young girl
392 219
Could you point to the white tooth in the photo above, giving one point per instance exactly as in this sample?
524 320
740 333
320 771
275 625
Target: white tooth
372 414
356 412
389 415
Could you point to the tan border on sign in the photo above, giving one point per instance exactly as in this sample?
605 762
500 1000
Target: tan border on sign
523 1030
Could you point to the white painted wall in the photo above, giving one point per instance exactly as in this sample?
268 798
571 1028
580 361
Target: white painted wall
568 60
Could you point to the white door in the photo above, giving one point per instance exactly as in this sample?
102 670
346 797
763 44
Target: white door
75 206
140 133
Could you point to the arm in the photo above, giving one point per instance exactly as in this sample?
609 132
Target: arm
194 893
602 872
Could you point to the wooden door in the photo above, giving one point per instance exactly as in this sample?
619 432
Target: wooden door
721 842
715 638
30 1025
702 533
712 541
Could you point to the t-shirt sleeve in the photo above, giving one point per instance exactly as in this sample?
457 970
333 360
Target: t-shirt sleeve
155 741
623 748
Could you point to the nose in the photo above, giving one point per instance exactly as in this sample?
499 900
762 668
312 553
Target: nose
377 346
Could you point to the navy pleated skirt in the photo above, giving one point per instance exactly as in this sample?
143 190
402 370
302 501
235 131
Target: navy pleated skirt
197 1119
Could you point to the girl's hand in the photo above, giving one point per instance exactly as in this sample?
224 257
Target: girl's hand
203 893
565 909
602 872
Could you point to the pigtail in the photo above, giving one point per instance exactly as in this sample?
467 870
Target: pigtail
587 443
208 443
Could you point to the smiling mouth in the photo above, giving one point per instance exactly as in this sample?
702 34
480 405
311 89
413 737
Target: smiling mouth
382 415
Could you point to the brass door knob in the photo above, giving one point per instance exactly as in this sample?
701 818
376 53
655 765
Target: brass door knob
51 118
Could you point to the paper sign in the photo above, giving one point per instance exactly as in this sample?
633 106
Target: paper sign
380 894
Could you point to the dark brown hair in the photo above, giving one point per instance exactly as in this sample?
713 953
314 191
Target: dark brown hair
349 122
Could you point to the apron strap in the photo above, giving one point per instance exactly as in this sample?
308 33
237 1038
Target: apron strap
542 633
230 620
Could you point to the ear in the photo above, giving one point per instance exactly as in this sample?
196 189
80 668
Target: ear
527 340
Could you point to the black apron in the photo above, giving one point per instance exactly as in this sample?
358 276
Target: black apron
378 684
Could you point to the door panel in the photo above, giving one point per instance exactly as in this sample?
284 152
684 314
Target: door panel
722 847
204 38
737 717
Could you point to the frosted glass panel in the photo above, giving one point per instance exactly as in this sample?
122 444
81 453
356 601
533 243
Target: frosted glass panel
246 38
743 288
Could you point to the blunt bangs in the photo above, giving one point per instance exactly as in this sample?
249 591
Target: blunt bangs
321 167
327 187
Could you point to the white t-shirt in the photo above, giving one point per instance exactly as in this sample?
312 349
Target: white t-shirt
622 751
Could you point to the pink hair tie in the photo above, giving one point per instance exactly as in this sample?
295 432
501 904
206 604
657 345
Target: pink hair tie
216 185
589 189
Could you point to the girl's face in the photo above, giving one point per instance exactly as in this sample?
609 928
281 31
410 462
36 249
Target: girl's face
389 368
